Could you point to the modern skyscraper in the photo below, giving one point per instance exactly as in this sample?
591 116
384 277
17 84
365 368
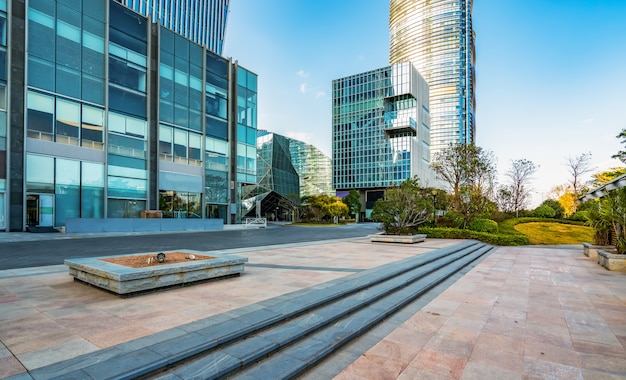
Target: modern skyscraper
381 129
437 37
202 21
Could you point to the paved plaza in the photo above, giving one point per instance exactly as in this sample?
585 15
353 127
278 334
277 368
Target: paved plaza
519 313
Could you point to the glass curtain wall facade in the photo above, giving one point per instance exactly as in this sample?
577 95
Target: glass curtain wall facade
201 21
278 180
437 37
118 116
313 167
381 130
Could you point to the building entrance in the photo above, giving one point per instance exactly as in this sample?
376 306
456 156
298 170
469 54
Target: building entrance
39 210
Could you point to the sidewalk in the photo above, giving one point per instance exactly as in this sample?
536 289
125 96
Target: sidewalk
523 312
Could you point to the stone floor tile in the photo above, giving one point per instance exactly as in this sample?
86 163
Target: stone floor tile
412 373
10 366
479 371
548 352
590 326
441 363
554 335
541 369
613 364
39 358
599 375
371 366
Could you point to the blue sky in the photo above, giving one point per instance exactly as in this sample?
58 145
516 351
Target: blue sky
551 74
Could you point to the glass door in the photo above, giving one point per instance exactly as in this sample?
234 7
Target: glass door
39 210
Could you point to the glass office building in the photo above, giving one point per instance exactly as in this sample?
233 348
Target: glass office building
381 131
201 21
278 181
314 169
111 115
437 37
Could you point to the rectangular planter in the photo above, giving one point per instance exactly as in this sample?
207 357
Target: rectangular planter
591 250
612 261
125 280
405 239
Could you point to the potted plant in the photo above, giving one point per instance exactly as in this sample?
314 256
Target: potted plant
401 211
613 212
602 233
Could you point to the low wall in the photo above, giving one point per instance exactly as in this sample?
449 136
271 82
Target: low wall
141 225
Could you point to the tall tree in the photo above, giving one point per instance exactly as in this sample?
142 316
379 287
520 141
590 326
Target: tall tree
519 175
469 172
577 167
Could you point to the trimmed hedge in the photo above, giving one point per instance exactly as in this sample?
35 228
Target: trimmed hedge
489 238
483 225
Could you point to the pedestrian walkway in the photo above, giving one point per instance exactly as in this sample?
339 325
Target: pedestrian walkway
522 312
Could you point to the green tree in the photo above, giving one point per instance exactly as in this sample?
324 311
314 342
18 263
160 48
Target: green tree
353 201
621 155
613 213
469 172
323 207
559 211
403 208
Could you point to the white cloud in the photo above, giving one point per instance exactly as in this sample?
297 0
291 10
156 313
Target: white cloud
302 74
302 136
303 88
320 94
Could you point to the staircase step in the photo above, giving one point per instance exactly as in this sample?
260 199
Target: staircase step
334 324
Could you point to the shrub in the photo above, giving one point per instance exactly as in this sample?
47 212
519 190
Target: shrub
580 216
544 212
483 225
494 239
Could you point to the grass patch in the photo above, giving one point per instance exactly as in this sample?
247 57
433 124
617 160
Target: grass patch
551 233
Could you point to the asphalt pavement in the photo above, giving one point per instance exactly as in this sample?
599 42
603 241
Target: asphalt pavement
25 250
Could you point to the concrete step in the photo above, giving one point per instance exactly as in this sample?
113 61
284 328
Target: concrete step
222 345
292 347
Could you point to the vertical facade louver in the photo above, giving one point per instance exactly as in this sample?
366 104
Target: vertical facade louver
202 21
437 37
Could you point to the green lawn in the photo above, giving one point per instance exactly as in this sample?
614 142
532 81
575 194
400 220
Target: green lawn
555 233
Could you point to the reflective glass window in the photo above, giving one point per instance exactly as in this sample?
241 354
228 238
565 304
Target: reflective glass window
165 143
92 128
125 208
68 81
67 190
92 190
92 89
127 125
39 173
41 33
68 33
40 116
39 73
126 187
195 149
180 146
127 101
216 127
67 122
